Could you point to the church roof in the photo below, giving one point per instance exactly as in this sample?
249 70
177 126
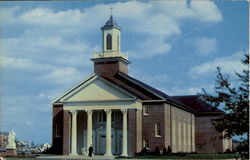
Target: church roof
195 102
111 24
143 91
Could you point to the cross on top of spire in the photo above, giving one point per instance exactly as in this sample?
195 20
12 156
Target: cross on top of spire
111 8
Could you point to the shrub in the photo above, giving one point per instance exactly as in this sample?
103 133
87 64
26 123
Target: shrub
164 152
169 150
157 151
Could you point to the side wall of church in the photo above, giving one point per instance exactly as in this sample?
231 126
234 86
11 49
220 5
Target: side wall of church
138 131
57 126
66 132
167 125
155 116
206 137
182 134
134 131
131 132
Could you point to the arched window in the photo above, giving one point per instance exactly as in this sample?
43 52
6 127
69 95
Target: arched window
109 42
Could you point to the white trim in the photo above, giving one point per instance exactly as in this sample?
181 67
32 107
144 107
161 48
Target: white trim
106 100
88 81
78 84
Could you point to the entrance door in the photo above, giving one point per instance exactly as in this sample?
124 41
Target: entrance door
102 144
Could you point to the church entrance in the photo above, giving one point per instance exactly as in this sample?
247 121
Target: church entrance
100 140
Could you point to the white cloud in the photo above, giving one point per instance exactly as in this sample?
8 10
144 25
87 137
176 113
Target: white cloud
22 64
64 76
229 65
205 45
206 11
153 45
44 25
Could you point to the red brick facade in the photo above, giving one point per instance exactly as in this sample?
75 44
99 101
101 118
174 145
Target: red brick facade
57 128
207 139
110 68
156 115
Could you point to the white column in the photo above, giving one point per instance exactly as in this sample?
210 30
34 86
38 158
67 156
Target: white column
89 129
173 135
193 133
73 132
108 133
184 135
124 133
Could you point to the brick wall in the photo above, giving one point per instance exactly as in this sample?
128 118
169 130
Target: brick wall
206 137
57 129
156 115
138 131
110 68
66 134
131 132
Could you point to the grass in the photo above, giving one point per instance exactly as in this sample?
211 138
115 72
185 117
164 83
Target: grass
190 156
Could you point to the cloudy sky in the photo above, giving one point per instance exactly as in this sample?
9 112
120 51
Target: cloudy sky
174 46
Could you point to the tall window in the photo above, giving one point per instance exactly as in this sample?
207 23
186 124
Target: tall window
157 130
108 42
58 130
145 143
145 110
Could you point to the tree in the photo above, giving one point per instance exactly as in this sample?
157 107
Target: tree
234 99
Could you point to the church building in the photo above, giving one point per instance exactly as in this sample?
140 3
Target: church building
117 114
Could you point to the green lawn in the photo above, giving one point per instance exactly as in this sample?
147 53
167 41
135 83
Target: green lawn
191 156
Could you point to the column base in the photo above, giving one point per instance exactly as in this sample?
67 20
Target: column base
73 154
124 155
108 154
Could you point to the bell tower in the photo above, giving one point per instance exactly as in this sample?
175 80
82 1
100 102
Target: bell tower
111 36
110 60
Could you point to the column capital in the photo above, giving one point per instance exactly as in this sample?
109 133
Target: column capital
124 110
73 112
89 111
108 111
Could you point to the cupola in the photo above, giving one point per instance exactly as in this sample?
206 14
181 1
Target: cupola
110 60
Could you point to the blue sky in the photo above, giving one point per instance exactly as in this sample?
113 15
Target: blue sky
173 45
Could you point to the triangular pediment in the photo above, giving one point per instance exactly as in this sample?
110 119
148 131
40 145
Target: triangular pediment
96 89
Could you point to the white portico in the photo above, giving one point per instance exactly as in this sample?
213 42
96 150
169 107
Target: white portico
95 96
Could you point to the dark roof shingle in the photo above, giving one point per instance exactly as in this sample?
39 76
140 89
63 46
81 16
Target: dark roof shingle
195 102
142 90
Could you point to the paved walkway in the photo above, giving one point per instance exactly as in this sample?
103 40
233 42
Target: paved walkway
57 157
97 157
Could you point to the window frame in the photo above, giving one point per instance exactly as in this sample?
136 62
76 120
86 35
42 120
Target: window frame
145 143
157 130
109 42
145 110
58 130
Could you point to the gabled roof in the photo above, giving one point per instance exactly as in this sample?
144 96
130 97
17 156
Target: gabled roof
195 102
143 91
134 87
74 93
